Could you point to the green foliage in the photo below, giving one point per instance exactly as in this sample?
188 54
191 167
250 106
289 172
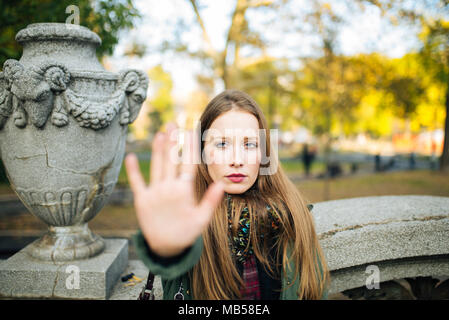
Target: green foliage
105 17
435 50
432 17
362 93
435 54
405 79
161 100
345 94
330 88
262 79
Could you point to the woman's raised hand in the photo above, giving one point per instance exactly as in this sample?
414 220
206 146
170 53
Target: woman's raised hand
168 215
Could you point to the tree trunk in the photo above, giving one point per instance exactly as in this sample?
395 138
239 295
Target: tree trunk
444 160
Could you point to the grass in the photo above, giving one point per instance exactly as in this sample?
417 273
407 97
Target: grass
295 167
144 169
419 182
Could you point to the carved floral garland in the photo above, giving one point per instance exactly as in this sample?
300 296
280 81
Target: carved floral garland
16 82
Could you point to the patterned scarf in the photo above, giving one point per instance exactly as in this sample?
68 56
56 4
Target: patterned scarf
242 249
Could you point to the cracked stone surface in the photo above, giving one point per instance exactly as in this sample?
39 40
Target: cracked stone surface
45 162
404 235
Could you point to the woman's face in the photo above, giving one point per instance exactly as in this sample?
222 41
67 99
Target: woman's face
231 150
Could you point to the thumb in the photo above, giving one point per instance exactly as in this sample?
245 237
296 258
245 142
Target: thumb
210 201
135 178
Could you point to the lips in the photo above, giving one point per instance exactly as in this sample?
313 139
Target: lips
236 177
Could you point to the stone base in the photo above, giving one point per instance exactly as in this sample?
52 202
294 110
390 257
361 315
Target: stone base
22 276
58 244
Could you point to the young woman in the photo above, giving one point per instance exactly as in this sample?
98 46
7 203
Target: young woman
227 223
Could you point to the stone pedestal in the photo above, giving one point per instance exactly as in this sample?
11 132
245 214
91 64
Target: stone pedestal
22 276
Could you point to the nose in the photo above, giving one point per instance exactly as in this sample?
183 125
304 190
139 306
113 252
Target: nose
237 159
237 164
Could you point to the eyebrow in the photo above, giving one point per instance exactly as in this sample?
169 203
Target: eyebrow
245 139
227 138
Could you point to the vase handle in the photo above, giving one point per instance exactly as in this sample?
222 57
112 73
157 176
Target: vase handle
135 85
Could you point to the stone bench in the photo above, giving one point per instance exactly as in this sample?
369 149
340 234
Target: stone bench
403 236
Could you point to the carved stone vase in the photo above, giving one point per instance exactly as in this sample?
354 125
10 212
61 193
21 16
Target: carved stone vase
63 126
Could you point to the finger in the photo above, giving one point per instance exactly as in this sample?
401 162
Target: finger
135 178
170 152
157 158
210 201
196 146
188 165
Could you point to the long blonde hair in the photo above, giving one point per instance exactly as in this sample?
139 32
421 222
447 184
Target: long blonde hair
215 276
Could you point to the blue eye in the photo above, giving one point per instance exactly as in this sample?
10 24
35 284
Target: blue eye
221 144
251 145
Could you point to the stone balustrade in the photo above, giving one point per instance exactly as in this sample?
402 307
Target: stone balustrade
403 236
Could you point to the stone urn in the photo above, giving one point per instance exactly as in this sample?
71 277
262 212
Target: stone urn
63 126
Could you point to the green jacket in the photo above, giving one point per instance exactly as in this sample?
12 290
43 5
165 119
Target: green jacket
175 273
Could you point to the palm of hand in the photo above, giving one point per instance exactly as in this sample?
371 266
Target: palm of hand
168 215
175 216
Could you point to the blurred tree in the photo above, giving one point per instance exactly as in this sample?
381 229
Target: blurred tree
262 78
397 91
432 16
407 91
277 86
415 95
374 114
323 80
265 78
107 18
435 54
194 107
337 87
330 93
224 63
161 102
135 49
